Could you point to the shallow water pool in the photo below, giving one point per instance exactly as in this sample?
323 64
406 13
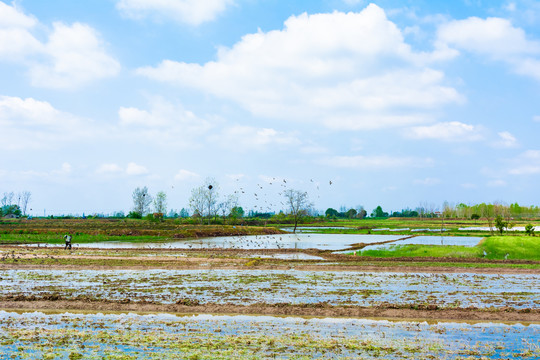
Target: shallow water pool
168 336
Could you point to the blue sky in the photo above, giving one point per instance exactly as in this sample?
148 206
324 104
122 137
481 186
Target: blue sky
396 103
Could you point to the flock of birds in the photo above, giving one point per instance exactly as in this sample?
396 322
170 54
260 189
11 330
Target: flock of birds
264 191
243 242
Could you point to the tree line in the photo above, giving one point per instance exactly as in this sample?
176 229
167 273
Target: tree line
15 204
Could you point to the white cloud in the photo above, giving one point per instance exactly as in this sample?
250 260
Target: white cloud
16 39
10 16
242 138
495 38
345 71
165 124
183 175
527 163
506 140
525 170
427 181
536 118
76 57
375 162
60 174
136 169
496 183
109 169
447 131
73 55
193 12
33 124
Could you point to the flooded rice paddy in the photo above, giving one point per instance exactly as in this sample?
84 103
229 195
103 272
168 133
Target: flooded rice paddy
283 241
166 336
246 287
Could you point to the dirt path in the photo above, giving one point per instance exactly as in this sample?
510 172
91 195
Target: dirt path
242 264
386 311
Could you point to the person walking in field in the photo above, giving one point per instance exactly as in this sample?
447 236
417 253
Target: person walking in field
67 238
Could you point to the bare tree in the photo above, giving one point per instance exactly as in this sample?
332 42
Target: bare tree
196 202
488 211
211 196
298 203
25 199
141 201
7 199
160 203
227 206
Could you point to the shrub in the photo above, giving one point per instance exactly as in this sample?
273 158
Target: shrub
134 215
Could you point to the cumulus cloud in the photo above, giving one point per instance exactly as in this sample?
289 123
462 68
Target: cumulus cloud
497 39
72 56
192 12
375 162
76 56
16 39
136 169
342 70
164 124
33 124
446 131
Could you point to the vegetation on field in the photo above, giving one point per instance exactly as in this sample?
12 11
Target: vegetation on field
494 247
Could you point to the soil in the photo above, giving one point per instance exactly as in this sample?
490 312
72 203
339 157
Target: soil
388 311
239 259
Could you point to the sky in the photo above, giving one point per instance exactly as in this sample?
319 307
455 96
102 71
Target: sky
391 103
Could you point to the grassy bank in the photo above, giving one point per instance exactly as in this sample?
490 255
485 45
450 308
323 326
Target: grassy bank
492 248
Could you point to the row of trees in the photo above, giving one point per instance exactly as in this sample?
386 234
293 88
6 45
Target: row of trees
143 203
447 211
15 204
206 202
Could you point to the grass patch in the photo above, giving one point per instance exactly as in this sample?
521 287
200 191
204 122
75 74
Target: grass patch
491 248
453 251
517 247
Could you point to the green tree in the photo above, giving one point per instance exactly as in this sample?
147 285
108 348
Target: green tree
331 212
378 212
500 224
351 213
237 212
184 213
529 229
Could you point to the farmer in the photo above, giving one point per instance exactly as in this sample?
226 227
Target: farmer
67 238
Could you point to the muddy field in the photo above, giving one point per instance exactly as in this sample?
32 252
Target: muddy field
266 281
172 336
266 303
